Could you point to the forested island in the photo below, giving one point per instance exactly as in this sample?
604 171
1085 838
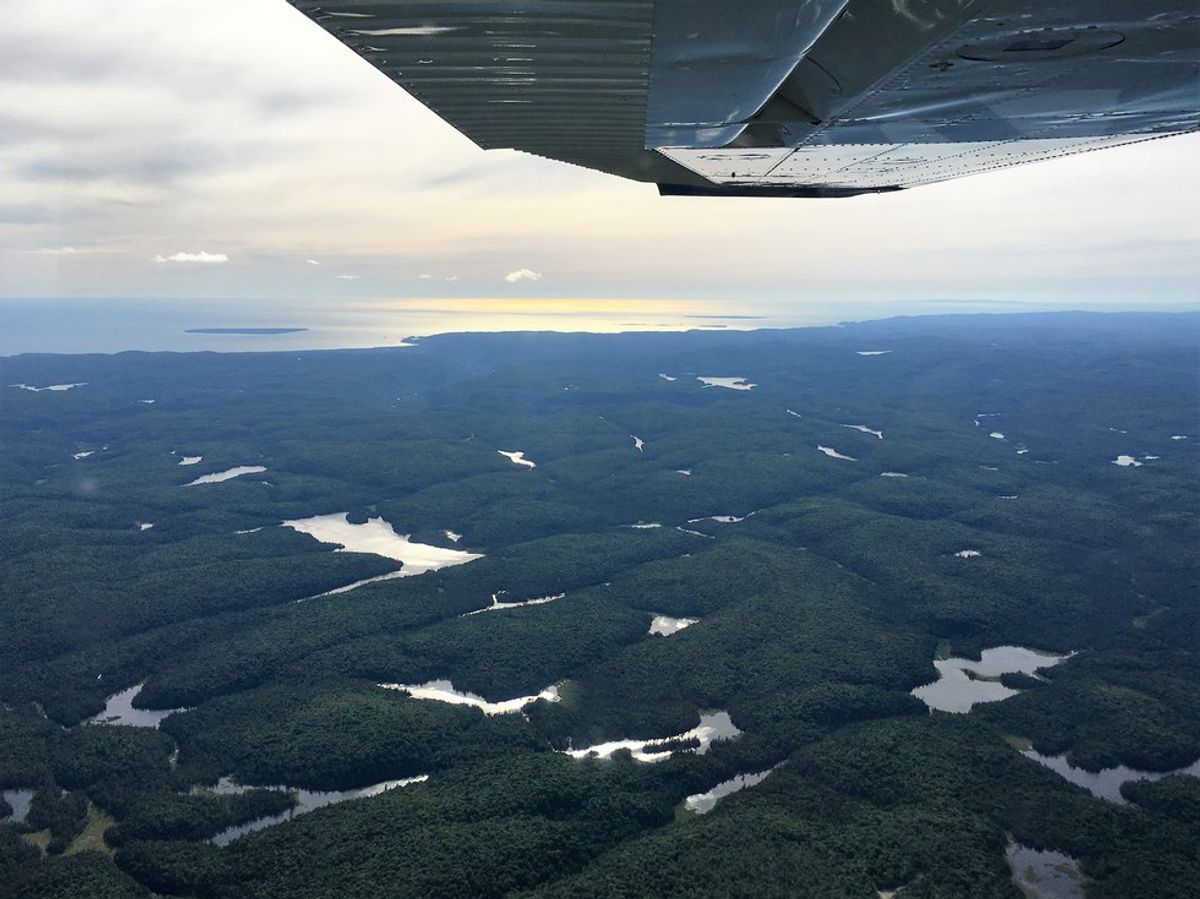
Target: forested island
902 608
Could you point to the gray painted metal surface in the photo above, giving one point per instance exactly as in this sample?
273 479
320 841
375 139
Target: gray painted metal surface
807 98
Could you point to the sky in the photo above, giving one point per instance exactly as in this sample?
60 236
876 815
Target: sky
231 148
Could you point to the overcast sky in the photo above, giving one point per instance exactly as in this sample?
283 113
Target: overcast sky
230 148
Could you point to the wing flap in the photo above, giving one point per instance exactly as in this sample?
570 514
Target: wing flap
811 97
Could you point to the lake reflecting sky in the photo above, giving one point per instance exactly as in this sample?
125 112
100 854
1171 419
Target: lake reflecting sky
110 325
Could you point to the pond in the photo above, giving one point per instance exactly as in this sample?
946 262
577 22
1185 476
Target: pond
834 454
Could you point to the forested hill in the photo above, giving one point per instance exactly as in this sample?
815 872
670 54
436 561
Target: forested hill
734 553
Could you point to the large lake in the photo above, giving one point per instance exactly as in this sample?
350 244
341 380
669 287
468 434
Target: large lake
112 325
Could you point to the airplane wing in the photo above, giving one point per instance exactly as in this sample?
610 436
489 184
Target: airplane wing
800 98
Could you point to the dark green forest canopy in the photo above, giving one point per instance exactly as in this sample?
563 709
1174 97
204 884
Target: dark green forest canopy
822 590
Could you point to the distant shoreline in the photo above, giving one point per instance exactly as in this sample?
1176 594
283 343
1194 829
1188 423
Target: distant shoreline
80 327
259 332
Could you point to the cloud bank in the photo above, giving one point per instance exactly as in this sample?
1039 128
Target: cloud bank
201 256
245 126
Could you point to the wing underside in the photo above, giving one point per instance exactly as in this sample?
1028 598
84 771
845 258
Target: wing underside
801 98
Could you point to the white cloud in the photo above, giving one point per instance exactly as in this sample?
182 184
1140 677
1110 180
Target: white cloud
424 277
202 256
451 278
348 277
311 262
523 274
58 251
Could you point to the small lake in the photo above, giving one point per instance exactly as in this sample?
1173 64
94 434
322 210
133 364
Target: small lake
379 538
957 691
865 430
665 625
1045 875
19 800
727 383
1105 783
713 726
190 460
703 803
53 388
834 454
306 801
498 605
227 475
119 710
443 691
517 458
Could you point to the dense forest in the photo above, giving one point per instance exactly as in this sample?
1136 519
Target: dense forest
823 538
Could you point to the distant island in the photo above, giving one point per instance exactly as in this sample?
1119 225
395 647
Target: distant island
255 331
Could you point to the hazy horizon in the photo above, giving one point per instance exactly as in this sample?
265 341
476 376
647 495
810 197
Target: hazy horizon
115 324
